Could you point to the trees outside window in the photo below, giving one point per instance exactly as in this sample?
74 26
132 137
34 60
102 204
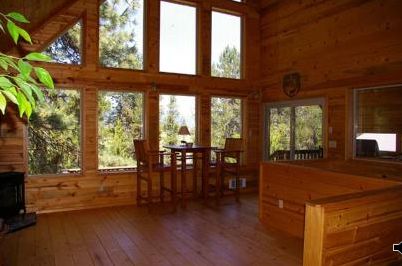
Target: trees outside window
121 34
66 49
226 45
176 111
120 121
226 119
294 128
54 134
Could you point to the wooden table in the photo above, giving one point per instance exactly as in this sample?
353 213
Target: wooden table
194 149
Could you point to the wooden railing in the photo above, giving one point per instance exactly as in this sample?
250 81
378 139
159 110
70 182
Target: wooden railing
299 155
354 229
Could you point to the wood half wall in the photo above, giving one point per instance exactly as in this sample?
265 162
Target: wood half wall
354 229
294 185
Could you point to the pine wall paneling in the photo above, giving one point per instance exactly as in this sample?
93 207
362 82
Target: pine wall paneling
335 46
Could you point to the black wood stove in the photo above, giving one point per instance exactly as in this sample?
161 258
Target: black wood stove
12 202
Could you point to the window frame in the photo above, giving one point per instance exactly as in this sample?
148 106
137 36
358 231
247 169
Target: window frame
242 39
355 119
196 105
242 112
292 104
79 173
143 132
197 34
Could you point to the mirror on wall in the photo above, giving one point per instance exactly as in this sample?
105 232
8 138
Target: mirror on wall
378 123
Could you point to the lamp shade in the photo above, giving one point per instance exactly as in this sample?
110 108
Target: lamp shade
184 130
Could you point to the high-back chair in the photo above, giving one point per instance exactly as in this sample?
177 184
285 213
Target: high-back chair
149 161
228 165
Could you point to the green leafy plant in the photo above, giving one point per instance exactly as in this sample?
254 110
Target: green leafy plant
20 81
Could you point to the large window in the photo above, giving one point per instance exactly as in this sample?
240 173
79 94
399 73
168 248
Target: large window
226 45
120 122
294 130
177 38
377 125
55 134
121 26
174 112
226 120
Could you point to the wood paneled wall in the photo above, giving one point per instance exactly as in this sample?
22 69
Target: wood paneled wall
91 188
335 46
354 229
295 185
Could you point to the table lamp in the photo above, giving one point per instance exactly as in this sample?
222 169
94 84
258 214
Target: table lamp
183 131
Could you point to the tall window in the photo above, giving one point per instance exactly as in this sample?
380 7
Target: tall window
121 27
55 134
294 130
226 45
225 120
177 38
377 125
174 112
120 122
66 49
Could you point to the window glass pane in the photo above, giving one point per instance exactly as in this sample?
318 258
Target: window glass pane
225 120
308 129
121 25
67 48
176 111
279 131
385 142
120 122
54 134
226 45
177 38
378 123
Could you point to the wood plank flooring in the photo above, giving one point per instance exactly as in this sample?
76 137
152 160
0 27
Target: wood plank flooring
199 235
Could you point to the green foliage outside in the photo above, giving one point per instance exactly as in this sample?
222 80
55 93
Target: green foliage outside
225 120
54 134
279 134
308 132
67 48
117 46
120 122
20 81
308 128
228 65
171 120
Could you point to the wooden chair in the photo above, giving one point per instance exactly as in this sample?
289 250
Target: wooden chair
228 164
149 161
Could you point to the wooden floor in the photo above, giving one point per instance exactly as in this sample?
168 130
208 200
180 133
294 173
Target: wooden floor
199 235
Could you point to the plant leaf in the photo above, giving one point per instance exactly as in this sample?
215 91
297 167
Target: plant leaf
3 103
44 77
5 83
2 28
38 57
17 17
24 68
3 64
11 95
38 93
22 103
13 30
24 34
